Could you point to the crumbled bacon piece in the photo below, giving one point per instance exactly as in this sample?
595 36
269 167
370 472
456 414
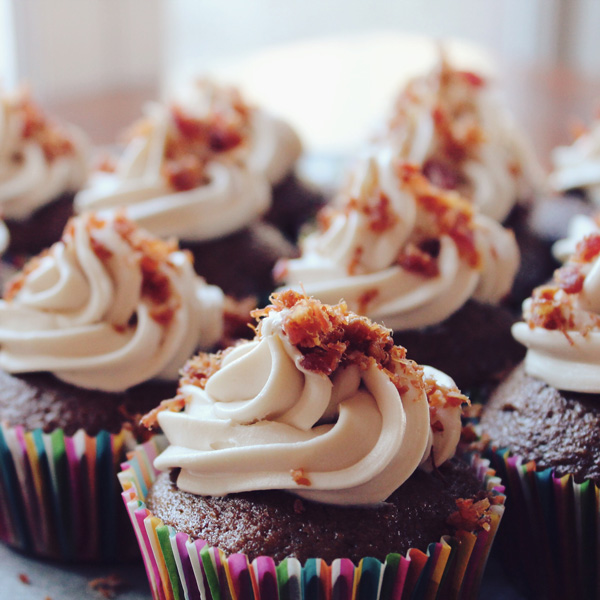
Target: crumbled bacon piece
299 477
200 368
150 420
570 278
587 249
448 213
100 250
472 78
546 310
16 283
366 298
353 266
415 260
185 174
472 514
440 396
380 214
442 174
24 578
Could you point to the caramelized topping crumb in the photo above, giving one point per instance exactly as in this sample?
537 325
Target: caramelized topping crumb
472 514
300 477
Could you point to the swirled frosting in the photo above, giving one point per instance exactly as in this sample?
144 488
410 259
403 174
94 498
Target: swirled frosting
199 170
402 251
578 166
320 403
39 160
450 124
561 327
106 308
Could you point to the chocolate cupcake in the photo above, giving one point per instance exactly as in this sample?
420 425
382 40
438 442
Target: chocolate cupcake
92 333
319 438
202 170
543 423
422 261
451 124
42 165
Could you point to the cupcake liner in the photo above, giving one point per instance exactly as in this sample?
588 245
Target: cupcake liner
59 494
179 568
551 535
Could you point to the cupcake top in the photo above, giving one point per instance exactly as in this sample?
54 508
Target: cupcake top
321 403
561 327
403 251
578 166
198 169
449 122
107 307
39 159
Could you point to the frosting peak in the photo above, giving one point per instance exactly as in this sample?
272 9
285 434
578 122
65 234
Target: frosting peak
320 403
198 169
107 307
39 160
449 123
562 323
403 251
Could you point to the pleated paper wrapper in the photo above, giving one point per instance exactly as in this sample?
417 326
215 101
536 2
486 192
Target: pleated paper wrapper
179 568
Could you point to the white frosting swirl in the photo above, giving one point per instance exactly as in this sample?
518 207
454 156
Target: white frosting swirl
578 166
498 167
565 351
30 179
232 198
86 311
264 421
351 260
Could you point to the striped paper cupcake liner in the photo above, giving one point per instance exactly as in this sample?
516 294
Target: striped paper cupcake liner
551 536
179 568
59 495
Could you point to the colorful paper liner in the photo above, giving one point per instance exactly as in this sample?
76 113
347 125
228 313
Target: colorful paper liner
551 536
179 568
59 495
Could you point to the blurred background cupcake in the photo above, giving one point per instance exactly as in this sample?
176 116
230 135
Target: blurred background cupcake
207 169
318 442
92 334
543 423
422 261
42 165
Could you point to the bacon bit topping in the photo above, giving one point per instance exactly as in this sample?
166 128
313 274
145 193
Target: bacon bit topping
100 250
353 266
106 164
441 396
546 310
472 514
36 127
587 249
472 78
414 259
442 174
200 368
108 587
570 278
366 298
330 336
300 477
150 420
24 578
378 209
185 174
448 213
16 283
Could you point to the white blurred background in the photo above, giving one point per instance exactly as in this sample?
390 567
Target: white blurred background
97 60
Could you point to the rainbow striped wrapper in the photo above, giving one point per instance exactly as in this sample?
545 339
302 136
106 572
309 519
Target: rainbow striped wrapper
179 568
59 495
551 537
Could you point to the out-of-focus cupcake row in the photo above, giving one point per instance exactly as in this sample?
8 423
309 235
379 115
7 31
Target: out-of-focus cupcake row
436 234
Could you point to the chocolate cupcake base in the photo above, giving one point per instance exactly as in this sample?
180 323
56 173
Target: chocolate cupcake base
241 264
41 229
180 566
474 345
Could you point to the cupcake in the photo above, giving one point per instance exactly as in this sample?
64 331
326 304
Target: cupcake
92 334
316 443
422 261
450 123
42 165
543 423
202 170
